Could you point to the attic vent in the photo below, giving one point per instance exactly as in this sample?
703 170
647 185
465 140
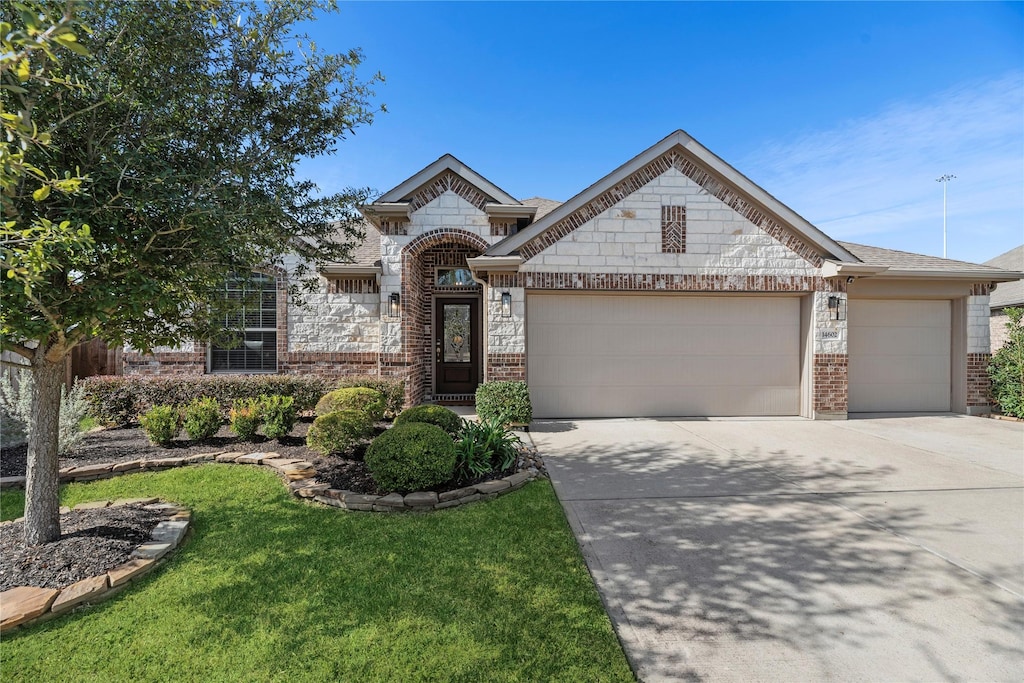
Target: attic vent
673 229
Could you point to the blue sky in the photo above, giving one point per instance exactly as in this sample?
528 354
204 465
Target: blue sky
847 113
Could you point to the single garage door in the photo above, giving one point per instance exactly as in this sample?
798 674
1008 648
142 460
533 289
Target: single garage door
662 355
899 355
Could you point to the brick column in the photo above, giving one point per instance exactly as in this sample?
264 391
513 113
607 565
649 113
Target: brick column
979 385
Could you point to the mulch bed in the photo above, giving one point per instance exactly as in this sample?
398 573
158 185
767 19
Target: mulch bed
124 444
92 543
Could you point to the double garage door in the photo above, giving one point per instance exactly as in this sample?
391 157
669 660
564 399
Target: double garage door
652 355
672 355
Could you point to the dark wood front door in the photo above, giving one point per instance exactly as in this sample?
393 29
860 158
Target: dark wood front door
456 345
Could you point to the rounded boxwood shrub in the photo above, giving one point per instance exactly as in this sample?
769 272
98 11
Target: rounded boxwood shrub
506 402
367 400
202 418
431 414
338 431
161 424
414 456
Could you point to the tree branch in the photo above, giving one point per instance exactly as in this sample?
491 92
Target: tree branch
12 364
20 349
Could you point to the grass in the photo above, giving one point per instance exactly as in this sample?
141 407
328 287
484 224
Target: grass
269 588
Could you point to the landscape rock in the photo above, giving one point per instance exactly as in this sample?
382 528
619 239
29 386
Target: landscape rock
129 570
152 551
12 482
170 531
134 501
421 499
93 505
131 466
80 592
392 500
91 470
493 486
23 603
229 457
457 493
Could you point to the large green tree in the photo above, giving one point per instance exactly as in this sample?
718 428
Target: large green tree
163 160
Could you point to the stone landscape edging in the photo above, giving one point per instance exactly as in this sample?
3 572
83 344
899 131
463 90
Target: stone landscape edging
27 605
301 477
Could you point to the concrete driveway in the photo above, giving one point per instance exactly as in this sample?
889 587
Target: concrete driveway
877 549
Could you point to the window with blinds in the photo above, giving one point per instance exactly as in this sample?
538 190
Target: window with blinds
256 318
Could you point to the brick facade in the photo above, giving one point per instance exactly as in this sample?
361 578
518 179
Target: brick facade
506 367
650 282
979 386
830 384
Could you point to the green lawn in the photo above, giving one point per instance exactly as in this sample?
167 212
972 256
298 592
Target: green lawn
269 588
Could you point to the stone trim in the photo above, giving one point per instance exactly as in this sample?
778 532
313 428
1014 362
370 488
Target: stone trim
681 160
506 367
353 285
448 182
831 383
673 229
979 384
662 282
27 605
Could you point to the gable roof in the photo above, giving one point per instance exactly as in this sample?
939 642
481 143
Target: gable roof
895 263
1008 293
720 179
405 190
544 206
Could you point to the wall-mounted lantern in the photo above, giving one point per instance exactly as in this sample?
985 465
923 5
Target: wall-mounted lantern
395 308
836 308
506 305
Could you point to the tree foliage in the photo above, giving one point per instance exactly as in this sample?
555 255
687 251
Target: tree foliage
151 152
1007 367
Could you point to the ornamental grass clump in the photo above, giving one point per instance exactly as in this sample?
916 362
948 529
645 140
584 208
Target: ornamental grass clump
411 457
367 400
339 431
245 418
278 413
202 418
161 424
432 414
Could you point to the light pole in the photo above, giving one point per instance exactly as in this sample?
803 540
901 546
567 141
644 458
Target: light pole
945 181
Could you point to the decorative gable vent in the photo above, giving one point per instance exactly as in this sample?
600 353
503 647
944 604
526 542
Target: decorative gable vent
673 229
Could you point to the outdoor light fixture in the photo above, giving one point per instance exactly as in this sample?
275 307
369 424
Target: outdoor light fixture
835 307
506 305
396 307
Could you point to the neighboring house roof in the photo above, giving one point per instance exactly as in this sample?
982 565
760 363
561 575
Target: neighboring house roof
1008 293
715 173
544 206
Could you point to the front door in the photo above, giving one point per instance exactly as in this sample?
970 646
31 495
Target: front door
456 345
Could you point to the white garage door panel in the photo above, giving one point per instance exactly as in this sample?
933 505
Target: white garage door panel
899 356
612 356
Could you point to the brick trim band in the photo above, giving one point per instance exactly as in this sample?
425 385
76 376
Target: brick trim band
448 181
658 282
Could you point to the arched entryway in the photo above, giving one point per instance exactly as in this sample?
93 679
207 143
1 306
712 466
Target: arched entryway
443 325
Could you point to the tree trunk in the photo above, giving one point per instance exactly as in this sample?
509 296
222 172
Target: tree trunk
42 506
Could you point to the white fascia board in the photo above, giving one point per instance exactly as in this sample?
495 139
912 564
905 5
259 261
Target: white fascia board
972 275
510 210
354 271
447 163
728 173
495 263
837 268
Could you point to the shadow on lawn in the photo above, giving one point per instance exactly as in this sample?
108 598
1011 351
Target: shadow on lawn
724 549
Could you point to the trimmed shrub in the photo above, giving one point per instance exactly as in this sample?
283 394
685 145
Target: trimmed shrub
432 414
339 431
245 418
370 401
483 447
120 400
161 424
411 457
202 418
1007 367
508 402
278 413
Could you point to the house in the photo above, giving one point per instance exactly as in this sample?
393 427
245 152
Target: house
673 286
1006 295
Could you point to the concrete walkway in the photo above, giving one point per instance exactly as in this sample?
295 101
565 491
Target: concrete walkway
791 550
